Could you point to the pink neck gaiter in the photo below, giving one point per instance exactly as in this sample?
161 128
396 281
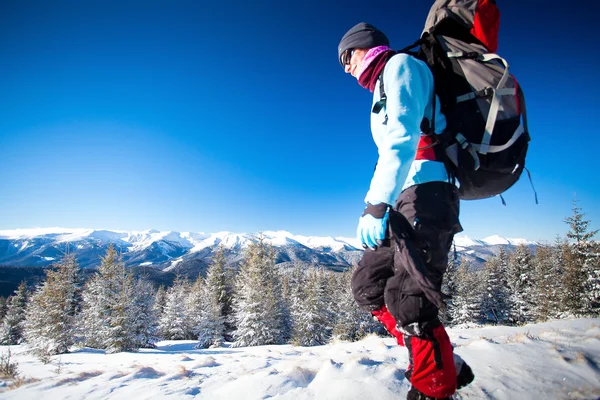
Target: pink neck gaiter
371 55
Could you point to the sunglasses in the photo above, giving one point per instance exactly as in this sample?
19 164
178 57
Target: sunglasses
347 56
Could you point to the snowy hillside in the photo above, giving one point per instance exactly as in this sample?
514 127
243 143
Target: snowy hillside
188 251
555 360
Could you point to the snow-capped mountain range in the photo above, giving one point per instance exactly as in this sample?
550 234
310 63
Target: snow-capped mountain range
188 251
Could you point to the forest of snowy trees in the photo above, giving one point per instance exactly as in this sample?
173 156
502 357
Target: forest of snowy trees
258 303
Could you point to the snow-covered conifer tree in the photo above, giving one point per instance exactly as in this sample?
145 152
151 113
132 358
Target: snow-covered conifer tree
107 300
142 315
520 285
50 317
586 262
3 308
465 306
196 305
217 281
257 301
572 282
160 300
312 326
11 330
295 289
350 322
449 288
286 309
210 329
174 323
495 307
545 296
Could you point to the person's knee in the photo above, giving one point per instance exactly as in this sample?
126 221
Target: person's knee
370 278
410 309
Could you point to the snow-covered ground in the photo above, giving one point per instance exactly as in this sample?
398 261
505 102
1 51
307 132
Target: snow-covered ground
555 360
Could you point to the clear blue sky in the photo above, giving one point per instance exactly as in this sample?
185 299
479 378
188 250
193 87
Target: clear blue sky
236 115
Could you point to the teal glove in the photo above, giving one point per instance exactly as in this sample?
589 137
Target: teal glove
372 225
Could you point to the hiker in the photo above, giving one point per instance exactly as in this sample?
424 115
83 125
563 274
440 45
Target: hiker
411 214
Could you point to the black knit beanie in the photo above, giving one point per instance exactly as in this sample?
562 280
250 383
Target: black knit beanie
361 36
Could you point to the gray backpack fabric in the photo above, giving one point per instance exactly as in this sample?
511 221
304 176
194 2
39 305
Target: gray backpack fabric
486 141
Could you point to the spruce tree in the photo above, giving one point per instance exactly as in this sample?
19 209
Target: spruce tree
257 301
312 326
296 286
586 260
210 327
287 325
3 308
196 307
496 304
546 289
160 301
210 330
520 284
592 285
11 330
465 305
106 312
572 282
350 322
174 323
50 316
450 289
217 281
142 315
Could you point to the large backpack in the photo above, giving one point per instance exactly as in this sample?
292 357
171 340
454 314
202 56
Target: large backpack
486 138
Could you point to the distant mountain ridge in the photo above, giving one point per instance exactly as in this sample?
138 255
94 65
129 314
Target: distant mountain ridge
189 252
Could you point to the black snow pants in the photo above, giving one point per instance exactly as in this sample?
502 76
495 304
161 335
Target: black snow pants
405 273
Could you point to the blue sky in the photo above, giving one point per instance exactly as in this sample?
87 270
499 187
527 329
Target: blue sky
198 116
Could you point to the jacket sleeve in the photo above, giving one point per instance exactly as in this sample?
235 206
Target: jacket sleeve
408 85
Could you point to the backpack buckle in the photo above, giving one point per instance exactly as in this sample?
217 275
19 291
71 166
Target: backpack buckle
467 147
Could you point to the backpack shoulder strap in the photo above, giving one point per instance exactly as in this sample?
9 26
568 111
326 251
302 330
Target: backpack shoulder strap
377 107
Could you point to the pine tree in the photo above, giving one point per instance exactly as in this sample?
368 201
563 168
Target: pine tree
210 329
257 306
160 301
174 323
546 289
142 315
351 323
3 308
217 281
592 285
450 289
106 312
465 305
11 330
196 306
287 324
296 286
312 326
496 305
572 282
520 285
586 260
50 317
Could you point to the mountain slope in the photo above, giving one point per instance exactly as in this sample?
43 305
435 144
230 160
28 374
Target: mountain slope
184 252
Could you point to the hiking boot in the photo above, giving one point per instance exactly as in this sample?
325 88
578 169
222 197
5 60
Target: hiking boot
414 394
464 374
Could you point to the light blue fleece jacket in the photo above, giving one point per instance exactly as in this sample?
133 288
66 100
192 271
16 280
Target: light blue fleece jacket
409 87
